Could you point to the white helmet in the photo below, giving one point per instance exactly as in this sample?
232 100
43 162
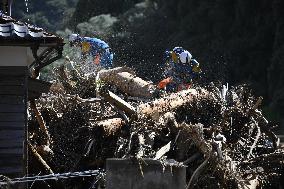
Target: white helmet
73 37
185 57
178 50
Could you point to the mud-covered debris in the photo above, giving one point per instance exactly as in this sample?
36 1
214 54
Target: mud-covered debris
224 140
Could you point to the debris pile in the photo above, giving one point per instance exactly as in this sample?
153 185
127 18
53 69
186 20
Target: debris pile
221 135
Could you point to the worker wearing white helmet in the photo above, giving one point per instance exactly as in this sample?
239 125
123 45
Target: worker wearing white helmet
185 57
99 50
181 68
173 55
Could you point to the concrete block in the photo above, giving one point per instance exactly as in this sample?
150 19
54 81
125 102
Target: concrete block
126 174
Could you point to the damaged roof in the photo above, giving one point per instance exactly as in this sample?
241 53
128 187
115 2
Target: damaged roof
14 32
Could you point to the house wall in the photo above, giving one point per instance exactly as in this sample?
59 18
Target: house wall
13 56
13 114
14 63
17 56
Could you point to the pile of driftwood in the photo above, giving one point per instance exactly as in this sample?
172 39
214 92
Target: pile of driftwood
220 134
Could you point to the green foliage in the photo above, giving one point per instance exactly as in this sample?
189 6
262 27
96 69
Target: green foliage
98 25
74 54
50 14
86 10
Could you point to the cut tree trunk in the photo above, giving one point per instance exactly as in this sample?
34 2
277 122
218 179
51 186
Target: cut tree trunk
111 126
125 80
161 106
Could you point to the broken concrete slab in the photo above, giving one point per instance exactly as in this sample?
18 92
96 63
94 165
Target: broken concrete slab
143 174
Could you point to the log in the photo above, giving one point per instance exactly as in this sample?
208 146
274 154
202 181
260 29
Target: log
108 74
39 158
126 81
111 126
118 103
40 122
160 106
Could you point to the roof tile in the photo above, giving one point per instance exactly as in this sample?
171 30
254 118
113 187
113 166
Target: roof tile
11 29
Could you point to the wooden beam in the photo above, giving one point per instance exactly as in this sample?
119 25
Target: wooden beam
118 103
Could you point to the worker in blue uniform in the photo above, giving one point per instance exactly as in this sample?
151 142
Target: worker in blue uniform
99 50
180 70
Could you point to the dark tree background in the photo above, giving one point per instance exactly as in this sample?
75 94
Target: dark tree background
51 14
240 41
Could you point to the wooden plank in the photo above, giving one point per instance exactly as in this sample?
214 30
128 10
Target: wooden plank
12 108
13 70
12 125
12 90
14 81
11 161
10 132
7 156
18 137
11 170
119 103
12 117
15 135
12 99
11 151
10 143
